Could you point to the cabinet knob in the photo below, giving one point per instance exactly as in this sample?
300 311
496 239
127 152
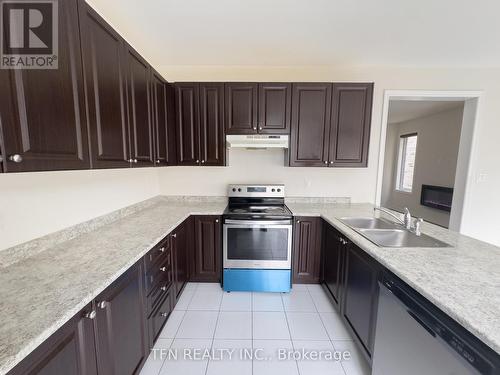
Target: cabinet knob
161 249
164 314
16 158
164 288
255 128
102 304
158 161
298 221
91 314
203 161
326 162
216 220
135 161
260 127
130 160
163 269
331 162
174 235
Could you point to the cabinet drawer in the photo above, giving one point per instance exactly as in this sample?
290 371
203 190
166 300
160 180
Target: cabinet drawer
159 273
157 294
158 252
160 315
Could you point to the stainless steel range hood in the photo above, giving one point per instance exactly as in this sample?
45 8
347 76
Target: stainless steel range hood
257 141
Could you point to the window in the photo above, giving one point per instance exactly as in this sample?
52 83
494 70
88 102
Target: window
406 162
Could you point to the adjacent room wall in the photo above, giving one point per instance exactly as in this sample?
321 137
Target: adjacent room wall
35 204
435 164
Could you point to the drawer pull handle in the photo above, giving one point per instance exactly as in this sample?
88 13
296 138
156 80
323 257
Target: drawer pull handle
164 314
174 235
162 249
102 304
163 269
91 314
164 288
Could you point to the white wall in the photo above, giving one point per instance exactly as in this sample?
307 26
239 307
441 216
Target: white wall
435 162
35 204
482 203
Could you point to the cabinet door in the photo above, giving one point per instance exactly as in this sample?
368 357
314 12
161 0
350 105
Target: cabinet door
360 295
241 108
106 91
310 130
186 101
69 351
139 107
275 100
307 250
180 252
163 102
351 118
120 325
333 255
208 249
42 112
212 124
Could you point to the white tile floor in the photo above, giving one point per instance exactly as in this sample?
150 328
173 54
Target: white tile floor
205 317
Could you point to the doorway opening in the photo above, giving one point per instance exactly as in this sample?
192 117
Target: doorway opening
426 147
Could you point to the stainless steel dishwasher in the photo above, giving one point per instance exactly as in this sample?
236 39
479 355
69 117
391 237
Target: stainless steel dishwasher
413 337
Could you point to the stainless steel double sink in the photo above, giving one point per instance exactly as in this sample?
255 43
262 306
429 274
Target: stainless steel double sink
385 233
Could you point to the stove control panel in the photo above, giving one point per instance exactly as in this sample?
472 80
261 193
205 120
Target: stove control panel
264 191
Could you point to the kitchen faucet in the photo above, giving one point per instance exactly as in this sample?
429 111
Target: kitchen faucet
407 219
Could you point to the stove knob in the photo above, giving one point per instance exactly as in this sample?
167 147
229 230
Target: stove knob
239 190
279 190
273 190
234 189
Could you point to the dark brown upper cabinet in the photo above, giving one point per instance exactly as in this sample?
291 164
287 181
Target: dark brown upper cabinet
120 325
105 73
163 107
212 140
330 130
139 109
187 129
200 123
207 249
275 100
42 112
307 250
351 117
241 107
310 131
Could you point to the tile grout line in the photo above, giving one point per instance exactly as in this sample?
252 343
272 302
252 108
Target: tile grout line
290 333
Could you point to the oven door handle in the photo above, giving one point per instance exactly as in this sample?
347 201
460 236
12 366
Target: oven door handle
258 222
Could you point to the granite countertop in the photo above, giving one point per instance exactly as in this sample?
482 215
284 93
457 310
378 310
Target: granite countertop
462 280
41 292
57 276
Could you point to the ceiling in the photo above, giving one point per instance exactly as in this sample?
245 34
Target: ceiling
406 110
437 33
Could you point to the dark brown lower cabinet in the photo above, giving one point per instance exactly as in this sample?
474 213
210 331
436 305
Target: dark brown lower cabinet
69 351
120 325
159 315
180 252
307 250
359 305
333 258
208 249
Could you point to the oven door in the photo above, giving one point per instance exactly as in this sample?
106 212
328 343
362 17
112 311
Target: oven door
257 244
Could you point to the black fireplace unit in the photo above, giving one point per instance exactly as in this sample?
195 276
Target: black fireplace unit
438 197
